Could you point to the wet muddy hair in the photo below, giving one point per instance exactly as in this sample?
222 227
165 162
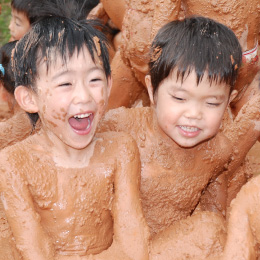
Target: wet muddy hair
27 7
53 37
199 44
75 9
7 78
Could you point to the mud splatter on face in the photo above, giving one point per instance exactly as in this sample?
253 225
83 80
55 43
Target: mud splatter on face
63 114
52 123
156 54
97 44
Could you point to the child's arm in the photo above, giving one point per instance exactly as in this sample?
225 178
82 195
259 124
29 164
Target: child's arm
244 131
242 135
130 228
241 240
25 223
131 233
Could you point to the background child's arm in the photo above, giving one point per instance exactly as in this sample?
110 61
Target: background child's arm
163 13
15 129
215 196
241 240
30 238
130 229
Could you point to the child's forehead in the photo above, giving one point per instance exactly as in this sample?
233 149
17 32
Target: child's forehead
19 13
192 78
53 59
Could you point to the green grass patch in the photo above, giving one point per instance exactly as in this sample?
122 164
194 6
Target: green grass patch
5 17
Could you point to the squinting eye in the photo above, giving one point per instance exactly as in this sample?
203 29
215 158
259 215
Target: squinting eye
178 98
214 104
96 79
65 84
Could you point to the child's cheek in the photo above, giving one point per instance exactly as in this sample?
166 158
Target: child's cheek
44 109
63 114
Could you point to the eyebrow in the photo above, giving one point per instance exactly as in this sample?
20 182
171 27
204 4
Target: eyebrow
63 72
219 97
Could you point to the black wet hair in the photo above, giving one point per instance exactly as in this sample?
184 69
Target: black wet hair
54 36
195 43
7 79
75 9
36 9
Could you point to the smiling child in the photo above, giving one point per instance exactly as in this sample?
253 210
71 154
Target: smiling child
193 68
66 191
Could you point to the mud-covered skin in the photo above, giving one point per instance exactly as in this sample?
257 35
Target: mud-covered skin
141 22
201 236
55 211
15 129
244 224
173 178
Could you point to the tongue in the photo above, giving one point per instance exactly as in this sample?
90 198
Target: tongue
79 123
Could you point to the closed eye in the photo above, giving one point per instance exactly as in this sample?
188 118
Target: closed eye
214 104
96 79
64 84
178 98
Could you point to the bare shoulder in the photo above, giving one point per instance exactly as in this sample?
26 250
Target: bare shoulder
117 140
113 119
14 156
119 146
123 119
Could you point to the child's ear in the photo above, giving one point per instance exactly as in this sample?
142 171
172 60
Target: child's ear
232 95
149 88
25 97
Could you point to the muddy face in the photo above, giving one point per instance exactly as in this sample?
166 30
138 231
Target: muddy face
71 98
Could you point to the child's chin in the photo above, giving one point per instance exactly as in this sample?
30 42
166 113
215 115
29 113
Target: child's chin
188 144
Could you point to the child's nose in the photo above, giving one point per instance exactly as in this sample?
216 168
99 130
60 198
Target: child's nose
11 25
194 111
82 94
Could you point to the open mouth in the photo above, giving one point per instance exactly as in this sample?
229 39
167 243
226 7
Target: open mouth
189 129
81 122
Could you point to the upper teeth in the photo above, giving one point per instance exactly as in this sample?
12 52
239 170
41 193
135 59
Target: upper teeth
189 128
82 115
